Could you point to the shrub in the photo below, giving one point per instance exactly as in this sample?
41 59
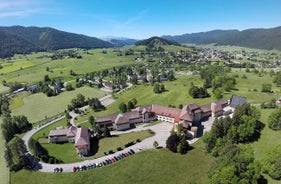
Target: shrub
119 149
129 144
51 160
110 152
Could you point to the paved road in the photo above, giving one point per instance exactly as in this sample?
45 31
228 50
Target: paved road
161 134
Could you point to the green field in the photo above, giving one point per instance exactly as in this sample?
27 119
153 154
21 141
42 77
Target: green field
4 170
69 155
60 68
4 89
268 139
152 166
15 66
45 131
38 106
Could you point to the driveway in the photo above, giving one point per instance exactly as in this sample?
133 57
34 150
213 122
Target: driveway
161 134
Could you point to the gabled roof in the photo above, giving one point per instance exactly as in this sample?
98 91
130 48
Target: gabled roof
206 108
167 111
216 108
71 131
237 101
102 119
121 119
58 132
82 137
222 102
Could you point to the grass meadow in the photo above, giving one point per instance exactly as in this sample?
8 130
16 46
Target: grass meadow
152 166
69 155
268 139
34 69
38 106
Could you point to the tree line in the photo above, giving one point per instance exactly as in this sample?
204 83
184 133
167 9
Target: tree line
15 153
227 140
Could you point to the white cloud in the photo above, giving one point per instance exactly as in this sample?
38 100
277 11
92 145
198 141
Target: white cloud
130 21
18 8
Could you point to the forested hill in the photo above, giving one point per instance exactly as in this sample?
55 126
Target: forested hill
254 38
19 39
156 41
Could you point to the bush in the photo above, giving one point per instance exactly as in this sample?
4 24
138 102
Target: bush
129 144
274 121
110 152
51 160
151 132
138 140
119 149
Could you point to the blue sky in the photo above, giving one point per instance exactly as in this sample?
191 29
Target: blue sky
141 18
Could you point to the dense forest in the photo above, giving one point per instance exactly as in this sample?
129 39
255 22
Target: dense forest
254 38
22 40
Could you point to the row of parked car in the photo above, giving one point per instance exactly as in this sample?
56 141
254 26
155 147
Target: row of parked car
105 162
58 170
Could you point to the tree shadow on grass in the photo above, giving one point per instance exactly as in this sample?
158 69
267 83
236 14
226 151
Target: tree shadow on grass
94 146
190 148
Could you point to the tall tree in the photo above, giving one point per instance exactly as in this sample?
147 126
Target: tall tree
123 107
92 120
15 154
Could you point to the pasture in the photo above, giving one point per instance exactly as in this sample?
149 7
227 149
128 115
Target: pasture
152 166
38 106
36 70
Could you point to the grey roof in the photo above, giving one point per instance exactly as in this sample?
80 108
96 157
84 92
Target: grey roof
82 137
237 100
69 132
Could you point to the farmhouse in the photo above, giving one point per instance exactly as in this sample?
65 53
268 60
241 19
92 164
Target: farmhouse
79 136
190 115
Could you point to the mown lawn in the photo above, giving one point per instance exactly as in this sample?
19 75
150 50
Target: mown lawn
246 87
45 131
152 166
67 153
268 139
38 106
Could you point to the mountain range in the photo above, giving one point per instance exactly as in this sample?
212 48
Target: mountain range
22 40
119 41
253 38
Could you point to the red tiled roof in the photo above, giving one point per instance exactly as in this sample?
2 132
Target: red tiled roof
82 137
206 108
59 132
167 111
192 107
71 131
222 102
215 107
106 118
121 119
